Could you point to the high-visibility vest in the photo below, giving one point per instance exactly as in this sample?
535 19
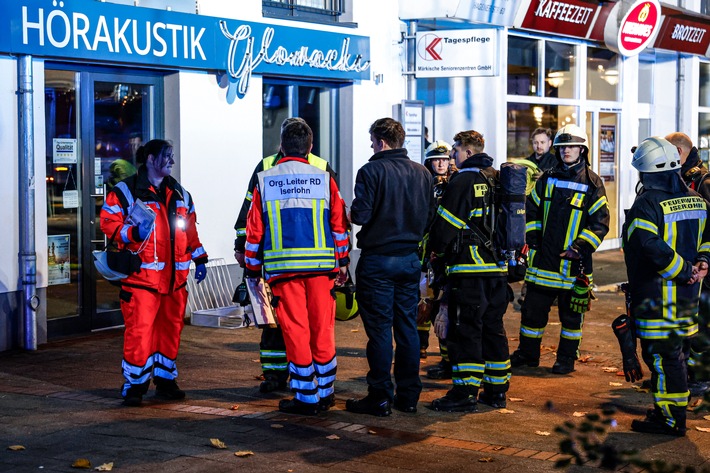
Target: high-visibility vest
295 199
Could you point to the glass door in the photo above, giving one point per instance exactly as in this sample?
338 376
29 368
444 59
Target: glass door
603 133
95 123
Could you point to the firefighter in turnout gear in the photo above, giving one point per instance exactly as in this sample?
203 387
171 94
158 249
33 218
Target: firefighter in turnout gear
567 219
438 155
272 349
153 300
667 249
297 235
697 177
462 235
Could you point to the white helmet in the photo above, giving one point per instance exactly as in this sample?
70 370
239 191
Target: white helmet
438 149
656 154
571 135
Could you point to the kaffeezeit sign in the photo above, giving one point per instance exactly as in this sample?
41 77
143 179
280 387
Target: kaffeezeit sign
109 33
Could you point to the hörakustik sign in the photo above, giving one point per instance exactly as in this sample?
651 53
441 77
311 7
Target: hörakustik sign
109 33
457 53
631 31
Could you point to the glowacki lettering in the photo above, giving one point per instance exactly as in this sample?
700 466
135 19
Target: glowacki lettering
563 12
332 60
111 35
690 34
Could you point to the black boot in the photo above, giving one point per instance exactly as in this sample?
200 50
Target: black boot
374 404
294 406
655 423
517 359
563 365
134 395
272 383
441 371
496 400
458 399
167 389
326 403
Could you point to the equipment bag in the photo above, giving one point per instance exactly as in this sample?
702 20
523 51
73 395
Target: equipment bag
511 208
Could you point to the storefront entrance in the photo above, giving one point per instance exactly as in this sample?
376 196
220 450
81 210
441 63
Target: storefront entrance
95 121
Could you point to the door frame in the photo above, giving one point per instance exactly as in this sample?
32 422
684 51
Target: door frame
88 319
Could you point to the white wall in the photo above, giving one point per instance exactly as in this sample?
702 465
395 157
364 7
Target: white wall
8 178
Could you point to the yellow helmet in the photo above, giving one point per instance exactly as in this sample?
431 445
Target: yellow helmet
345 303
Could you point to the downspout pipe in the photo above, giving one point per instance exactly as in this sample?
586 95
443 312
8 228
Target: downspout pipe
27 255
411 59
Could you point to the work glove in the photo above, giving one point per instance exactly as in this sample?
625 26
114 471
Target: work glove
579 302
441 323
200 273
144 231
623 329
571 254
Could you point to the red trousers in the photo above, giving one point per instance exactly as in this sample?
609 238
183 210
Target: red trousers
306 314
154 323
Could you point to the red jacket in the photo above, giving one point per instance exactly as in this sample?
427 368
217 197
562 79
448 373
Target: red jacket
166 253
298 237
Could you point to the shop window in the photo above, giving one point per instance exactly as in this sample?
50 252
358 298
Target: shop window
329 11
524 118
705 7
316 104
523 66
645 88
559 70
602 74
704 84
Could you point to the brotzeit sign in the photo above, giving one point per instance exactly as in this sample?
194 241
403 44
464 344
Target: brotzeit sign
457 53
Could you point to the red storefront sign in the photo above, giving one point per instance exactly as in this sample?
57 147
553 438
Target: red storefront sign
683 32
568 17
636 30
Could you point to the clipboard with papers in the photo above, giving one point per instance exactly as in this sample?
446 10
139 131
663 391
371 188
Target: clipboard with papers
260 294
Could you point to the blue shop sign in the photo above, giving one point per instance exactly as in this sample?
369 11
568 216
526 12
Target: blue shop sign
105 32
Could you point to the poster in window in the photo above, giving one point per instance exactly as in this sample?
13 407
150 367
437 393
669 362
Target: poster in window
607 153
58 259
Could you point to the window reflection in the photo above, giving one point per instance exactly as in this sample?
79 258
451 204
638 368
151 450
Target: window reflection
602 74
522 66
559 70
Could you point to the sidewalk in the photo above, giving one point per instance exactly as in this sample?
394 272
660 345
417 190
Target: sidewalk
62 403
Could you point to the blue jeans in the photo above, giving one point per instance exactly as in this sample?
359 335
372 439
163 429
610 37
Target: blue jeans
387 295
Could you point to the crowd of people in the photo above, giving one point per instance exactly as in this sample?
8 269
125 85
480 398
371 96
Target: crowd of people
428 257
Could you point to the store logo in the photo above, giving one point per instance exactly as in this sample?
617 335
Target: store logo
635 35
429 47
241 66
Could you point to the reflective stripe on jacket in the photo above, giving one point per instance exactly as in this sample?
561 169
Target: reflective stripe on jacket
297 221
663 235
567 208
166 253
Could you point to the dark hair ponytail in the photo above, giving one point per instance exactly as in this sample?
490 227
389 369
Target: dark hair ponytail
154 147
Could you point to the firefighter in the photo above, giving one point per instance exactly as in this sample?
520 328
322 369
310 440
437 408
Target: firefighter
567 219
472 321
272 349
153 300
666 249
438 155
297 234
697 177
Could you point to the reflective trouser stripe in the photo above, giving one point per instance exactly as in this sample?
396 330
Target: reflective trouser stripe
467 374
325 377
303 383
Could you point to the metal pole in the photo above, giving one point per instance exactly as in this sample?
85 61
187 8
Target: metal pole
28 256
411 60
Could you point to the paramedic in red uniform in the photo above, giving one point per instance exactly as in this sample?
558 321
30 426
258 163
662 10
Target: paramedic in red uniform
297 236
153 300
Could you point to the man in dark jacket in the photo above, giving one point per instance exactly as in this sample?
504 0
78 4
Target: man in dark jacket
394 204
472 324
666 249
567 219
541 141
